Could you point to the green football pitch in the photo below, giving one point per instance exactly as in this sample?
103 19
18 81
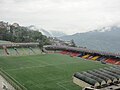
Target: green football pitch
46 72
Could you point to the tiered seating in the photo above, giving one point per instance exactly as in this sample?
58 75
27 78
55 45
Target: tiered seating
12 51
101 58
117 63
74 54
19 51
95 58
86 56
90 57
6 51
64 52
2 52
36 50
80 54
110 60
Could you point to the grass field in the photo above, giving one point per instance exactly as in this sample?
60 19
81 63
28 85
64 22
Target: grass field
46 72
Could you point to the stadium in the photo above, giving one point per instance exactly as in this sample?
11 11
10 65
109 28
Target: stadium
60 45
26 67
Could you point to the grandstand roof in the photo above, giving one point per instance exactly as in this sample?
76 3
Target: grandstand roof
82 50
17 44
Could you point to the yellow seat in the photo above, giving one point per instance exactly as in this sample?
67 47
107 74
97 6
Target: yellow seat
95 58
85 56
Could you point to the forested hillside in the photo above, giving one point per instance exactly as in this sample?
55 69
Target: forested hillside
17 33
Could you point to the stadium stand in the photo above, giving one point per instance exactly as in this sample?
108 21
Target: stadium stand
81 54
32 48
64 52
1 52
101 58
12 52
91 56
95 58
85 53
86 56
6 50
14 49
117 63
32 51
74 54
111 61
37 50
17 53
54 47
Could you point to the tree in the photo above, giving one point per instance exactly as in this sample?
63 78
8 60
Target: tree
21 34
73 43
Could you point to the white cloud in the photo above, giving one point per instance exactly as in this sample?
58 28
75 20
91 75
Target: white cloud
69 16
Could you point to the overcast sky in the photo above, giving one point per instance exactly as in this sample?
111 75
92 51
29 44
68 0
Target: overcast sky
69 16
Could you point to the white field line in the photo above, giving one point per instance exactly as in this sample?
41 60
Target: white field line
29 67
62 82
37 85
40 66
23 68
62 86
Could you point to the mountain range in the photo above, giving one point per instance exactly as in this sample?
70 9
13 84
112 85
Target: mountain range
48 33
103 39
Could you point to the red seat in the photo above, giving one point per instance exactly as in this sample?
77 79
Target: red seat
74 54
117 63
64 52
110 60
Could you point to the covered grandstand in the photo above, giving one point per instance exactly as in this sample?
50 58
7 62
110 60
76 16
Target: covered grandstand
13 49
104 57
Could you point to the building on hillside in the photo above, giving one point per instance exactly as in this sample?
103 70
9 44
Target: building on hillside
59 42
